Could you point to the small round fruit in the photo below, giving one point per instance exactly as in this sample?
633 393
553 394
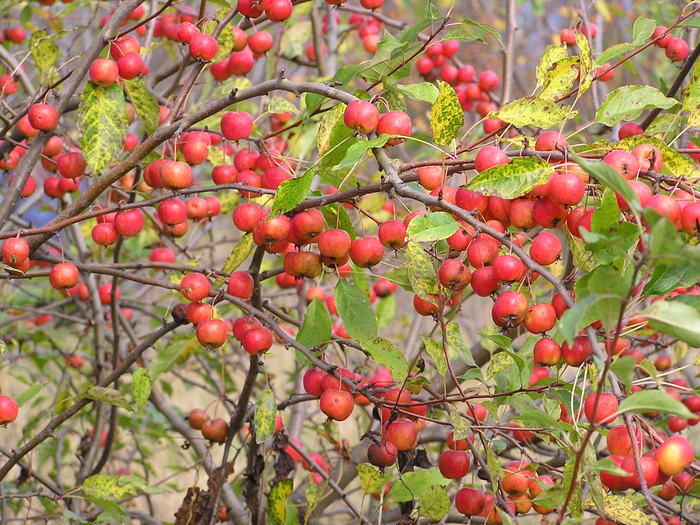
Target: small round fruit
337 404
606 409
382 454
8 410
454 464
215 430
197 418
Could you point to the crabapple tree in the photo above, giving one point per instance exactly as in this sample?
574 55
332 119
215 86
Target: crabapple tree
254 272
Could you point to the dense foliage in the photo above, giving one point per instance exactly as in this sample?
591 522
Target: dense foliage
255 272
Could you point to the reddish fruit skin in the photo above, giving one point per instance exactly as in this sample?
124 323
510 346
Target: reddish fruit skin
198 312
105 234
15 251
550 141
547 352
197 418
540 318
545 249
203 46
430 177
64 275
607 406
470 502
195 287
395 123
677 50
402 433
8 410
382 454
211 333
578 352
510 309
366 252
129 222
337 404
645 154
43 117
454 275
130 66
236 125
488 157
241 285
313 380
392 234
71 165
674 455
454 464
104 72
566 189
257 340
650 470
488 81
426 308
690 219
362 116
215 430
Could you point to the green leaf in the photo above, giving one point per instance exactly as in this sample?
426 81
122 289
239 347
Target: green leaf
265 412
537 112
292 192
44 50
611 178
691 98
327 126
559 79
312 493
432 227
643 30
446 115
675 319
145 104
359 149
414 384
628 102
409 34
334 140
167 357
485 28
423 91
392 60
281 105
500 362
461 427
455 341
102 122
421 272
586 64
371 480
460 34
607 214
354 309
665 279
623 509
28 394
386 310
623 367
239 253
436 354
415 484
641 33
653 401
552 55
387 354
337 217
317 325
141 386
435 503
276 501
107 395
512 180
225 41
116 488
